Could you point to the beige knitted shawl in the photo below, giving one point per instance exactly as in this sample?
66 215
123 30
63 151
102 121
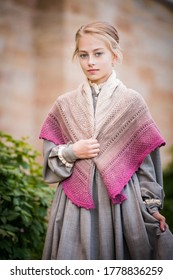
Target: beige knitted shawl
122 125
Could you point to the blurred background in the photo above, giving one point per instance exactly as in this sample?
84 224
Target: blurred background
36 46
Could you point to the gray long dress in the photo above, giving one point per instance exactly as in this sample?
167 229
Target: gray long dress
107 232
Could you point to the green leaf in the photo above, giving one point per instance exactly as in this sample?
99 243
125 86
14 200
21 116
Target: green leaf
6 197
24 200
3 220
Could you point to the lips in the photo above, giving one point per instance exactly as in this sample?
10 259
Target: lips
92 70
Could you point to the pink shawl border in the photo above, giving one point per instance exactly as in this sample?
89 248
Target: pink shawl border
117 171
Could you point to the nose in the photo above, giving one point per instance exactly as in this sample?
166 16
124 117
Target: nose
91 60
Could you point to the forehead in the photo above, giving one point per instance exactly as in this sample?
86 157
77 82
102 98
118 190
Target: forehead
89 42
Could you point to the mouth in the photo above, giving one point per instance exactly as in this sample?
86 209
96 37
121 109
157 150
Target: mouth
92 71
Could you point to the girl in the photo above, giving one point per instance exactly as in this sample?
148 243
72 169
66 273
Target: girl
102 146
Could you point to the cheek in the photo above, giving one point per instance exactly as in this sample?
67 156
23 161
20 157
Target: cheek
110 62
81 62
107 60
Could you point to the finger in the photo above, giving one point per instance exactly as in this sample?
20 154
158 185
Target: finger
161 219
93 141
93 155
95 148
94 152
94 145
162 225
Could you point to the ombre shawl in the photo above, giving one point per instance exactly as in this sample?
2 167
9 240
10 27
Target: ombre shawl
122 125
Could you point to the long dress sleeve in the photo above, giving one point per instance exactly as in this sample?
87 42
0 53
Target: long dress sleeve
150 178
54 170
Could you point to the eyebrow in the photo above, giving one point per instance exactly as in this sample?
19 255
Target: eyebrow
93 50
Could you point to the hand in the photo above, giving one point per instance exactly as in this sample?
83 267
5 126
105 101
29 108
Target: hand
88 148
161 220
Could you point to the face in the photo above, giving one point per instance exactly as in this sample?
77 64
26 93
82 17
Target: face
95 58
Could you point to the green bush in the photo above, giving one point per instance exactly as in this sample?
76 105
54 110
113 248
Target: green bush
24 200
168 187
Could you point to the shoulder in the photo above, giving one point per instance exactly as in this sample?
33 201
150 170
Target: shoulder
67 95
131 93
70 96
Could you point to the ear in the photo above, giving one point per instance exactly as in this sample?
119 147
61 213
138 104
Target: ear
114 59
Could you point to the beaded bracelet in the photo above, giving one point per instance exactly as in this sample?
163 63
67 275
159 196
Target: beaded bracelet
62 159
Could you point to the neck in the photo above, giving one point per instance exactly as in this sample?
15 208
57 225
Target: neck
113 74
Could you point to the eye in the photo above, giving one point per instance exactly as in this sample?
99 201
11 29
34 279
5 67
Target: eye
98 54
83 55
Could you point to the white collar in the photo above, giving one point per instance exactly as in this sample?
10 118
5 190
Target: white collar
98 87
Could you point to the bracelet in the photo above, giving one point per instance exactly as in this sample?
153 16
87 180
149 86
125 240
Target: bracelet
62 159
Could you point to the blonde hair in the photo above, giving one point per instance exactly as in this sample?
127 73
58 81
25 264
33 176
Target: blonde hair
104 31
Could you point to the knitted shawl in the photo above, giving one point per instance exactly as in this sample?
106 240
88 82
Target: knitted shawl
122 125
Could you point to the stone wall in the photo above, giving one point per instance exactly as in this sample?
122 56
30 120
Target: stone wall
36 46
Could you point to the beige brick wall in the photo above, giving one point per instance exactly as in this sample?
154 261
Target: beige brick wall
36 45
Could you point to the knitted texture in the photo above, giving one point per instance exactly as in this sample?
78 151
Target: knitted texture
122 125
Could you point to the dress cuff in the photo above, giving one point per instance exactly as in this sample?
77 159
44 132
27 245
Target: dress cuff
65 154
153 205
61 157
68 153
153 202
